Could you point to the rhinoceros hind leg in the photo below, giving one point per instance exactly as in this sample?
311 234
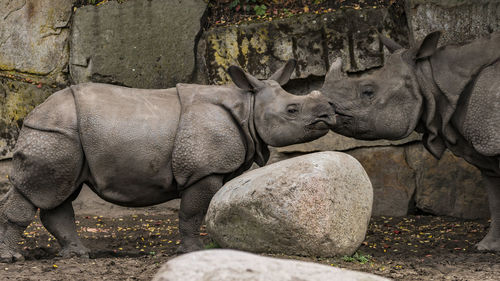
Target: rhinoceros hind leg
491 242
60 222
16 213
194 205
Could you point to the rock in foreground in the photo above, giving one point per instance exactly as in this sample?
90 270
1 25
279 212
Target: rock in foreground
315 205
225 265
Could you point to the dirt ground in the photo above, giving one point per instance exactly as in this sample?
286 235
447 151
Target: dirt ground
134 246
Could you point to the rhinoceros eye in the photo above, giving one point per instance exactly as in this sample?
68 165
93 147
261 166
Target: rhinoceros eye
292 109
367 93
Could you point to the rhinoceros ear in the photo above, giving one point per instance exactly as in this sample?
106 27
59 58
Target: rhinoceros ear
244 80
283 74
390 44
427 46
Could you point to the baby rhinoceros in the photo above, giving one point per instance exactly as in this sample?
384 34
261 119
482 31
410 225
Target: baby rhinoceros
138 147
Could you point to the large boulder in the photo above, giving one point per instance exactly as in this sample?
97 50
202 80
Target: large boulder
141 44
316 205
226 265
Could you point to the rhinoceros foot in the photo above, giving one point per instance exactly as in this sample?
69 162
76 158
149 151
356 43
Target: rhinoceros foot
489 243
189 245
74 251
7 255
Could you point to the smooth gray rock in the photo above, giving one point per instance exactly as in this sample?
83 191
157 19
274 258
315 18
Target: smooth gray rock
230 265
142 44
316 205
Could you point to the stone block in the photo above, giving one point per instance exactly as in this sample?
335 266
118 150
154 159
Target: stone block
448 187
392 178
141 44
314 40
34 38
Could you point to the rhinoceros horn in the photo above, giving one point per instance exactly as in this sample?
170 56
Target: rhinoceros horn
335 72
390 44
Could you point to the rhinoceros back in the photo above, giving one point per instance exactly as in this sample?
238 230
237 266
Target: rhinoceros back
127 136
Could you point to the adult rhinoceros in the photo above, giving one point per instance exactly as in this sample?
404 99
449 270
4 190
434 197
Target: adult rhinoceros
451 94
138 147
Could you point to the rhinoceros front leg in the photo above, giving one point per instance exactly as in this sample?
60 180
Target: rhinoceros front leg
60 222
491 242
194 204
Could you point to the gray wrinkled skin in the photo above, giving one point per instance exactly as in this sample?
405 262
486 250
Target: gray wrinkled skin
450 94
138 147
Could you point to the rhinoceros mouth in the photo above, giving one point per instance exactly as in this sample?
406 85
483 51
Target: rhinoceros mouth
322 123
345 124
342 115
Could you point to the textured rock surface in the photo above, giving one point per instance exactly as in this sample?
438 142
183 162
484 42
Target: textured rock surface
33 36
33 59
142 44
313 40
392 179
17 99
460 20
333 141
5 167
316 205
230 265
449 186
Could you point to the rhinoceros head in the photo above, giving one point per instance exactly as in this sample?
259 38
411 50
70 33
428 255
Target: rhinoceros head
384 104
282 118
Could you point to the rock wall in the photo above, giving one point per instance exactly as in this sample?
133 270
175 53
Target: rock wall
45 45
313 40
33 59
141 44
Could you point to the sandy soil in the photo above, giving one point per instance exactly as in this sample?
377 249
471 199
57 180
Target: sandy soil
134 246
